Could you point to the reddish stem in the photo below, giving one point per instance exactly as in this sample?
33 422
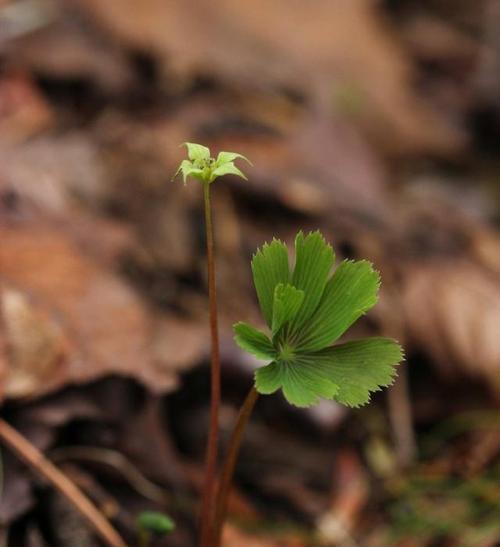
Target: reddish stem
206 517
230 463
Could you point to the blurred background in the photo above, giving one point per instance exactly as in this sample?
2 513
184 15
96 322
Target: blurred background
377 122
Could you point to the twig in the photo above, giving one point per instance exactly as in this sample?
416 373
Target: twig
131 473
213 434
230 463
37 461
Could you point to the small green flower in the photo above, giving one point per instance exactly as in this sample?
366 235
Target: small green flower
307 310
205 168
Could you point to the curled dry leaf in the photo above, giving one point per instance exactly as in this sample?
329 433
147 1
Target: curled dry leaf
36 344
67 319
453 311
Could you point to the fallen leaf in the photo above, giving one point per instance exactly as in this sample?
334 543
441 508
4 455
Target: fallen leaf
68 319
453 310
338 45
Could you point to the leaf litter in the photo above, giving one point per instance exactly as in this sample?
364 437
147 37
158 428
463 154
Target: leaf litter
102 292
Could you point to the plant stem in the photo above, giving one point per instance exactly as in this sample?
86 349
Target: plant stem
230 463
36 460
206 516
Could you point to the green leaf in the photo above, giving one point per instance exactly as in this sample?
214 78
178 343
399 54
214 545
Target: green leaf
287 301
153 521
268 379
253 341
227 169
269 268
301 383
350 293
358 368
306 312
226 157
347 373
314 260
197 151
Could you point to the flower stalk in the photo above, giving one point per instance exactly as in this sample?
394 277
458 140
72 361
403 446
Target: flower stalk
206 515
203 167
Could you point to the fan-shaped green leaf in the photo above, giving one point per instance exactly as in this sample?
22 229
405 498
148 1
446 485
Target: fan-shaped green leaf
254 341
268 379
358 368
269 268
301 383
314 260
350 293
287 301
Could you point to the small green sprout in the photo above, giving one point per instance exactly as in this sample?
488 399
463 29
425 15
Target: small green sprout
205 168
151 523
307 310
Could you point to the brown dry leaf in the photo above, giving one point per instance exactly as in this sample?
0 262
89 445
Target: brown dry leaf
23 110
66 49
49 171
235 537
331 49
190 338
486 247
453 311
69 320
434 38
36 345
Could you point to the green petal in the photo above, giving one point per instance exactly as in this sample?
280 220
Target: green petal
227 169
314 260
185 164
268 379
287 301
358 368
350 293
197 151
190 171
226 157
254 341
269 268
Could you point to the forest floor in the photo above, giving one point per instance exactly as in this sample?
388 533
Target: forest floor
378 123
